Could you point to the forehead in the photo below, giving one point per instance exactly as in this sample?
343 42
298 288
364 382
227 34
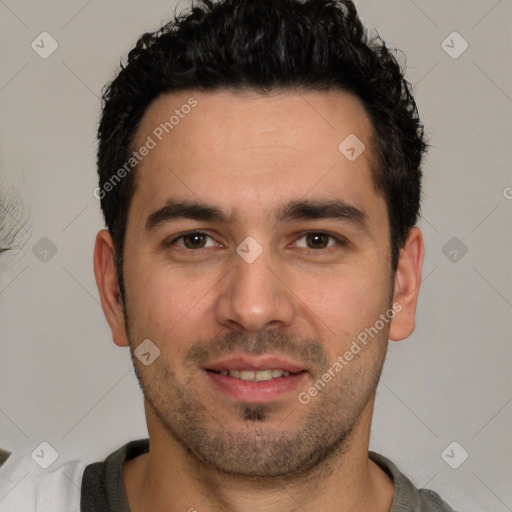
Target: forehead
244 148
292 123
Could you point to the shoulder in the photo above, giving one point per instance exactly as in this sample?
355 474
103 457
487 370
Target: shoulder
431 502
24 486
103 485
407 497
4 455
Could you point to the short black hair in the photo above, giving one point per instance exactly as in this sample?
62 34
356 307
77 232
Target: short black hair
267 46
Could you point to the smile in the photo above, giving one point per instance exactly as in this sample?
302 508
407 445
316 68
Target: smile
260 375
256 386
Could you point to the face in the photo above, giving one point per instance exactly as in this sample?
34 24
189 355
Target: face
255 249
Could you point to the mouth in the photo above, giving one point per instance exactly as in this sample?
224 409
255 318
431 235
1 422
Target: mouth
256 376
253 379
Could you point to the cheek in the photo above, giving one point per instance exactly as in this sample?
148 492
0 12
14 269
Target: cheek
164 302
346 301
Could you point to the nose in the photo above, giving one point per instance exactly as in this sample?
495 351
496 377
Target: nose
255 296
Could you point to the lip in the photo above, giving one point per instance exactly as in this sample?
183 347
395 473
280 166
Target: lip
254 391
255 363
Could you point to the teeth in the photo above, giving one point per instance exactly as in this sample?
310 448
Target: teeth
258 376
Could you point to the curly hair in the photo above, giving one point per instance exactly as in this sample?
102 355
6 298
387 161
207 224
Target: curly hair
268 46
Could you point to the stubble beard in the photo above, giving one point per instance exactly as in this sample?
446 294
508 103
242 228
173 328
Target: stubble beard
260 441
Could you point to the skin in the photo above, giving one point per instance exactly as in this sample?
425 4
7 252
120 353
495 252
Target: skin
303 298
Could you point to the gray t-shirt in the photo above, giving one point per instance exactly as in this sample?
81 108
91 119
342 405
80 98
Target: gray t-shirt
103 486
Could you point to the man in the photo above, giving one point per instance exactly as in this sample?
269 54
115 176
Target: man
259 174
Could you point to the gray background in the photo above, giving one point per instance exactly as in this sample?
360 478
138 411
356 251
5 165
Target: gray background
64 381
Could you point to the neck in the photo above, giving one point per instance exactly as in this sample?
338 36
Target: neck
345 482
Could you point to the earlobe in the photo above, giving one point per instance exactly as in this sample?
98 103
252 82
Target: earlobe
407 285
108 286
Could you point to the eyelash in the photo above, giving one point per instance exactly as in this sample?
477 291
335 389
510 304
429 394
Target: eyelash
341 241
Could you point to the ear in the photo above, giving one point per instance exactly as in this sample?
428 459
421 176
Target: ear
108 286
407 286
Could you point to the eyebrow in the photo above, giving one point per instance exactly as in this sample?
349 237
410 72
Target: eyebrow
335 209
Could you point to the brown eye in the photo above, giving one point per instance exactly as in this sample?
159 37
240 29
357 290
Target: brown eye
193 240
317 240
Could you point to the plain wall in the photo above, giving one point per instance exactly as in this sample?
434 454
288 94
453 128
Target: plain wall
62 380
